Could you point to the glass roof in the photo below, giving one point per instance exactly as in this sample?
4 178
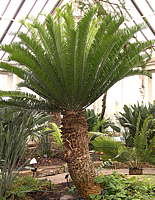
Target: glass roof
12 11
137 12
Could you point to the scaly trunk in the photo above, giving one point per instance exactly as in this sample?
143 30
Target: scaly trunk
76 153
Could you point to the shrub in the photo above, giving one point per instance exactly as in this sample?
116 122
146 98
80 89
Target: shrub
119 187
134 156
23 185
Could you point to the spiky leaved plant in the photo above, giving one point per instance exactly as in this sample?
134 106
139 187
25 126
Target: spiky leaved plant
134 156
15 128
129 117
69 64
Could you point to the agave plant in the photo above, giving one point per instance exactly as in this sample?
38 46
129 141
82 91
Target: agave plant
15 128
69 63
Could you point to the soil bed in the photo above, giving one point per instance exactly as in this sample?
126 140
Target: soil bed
57 192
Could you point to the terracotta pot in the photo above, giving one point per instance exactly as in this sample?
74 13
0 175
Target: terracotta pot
135 171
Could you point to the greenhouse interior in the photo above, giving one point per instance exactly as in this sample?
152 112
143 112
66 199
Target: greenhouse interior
77 100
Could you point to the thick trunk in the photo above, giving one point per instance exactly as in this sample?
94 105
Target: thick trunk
76 153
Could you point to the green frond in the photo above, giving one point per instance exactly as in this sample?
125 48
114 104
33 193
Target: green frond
35 87
126 60
139 72
17 94
20 72
68 38
69 18
43 56
107 48
26 101
54 46
25 75
107 145
28 60
71 63
80 48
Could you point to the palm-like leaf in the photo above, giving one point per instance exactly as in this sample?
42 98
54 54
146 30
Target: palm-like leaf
70 64
107 145
25 101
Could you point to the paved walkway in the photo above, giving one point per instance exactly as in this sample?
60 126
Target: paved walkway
60 178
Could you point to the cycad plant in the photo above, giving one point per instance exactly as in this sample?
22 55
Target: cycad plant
69 63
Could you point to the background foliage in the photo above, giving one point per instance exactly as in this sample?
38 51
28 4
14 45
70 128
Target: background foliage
15 129
128 119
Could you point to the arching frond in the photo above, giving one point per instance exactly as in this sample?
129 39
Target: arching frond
17 94
25 101
70 63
